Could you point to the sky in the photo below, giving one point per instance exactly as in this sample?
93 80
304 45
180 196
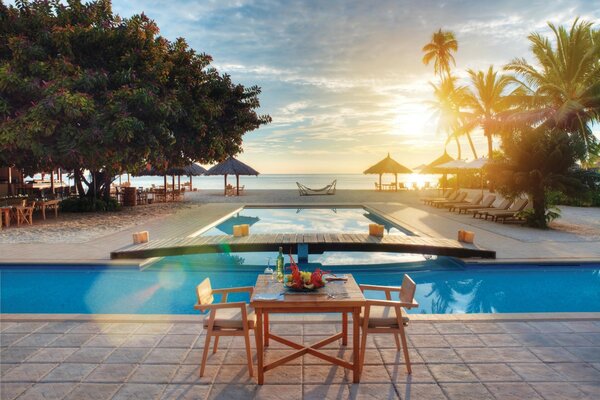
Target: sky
343 80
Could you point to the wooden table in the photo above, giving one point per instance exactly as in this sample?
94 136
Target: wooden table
50 204
337 297
5 213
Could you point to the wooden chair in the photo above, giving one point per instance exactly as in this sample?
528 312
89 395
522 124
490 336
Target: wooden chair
387 316
24 213
225 319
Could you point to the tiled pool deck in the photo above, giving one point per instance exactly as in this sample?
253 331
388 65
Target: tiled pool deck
454 360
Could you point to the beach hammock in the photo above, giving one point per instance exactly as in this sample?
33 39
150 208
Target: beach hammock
306 191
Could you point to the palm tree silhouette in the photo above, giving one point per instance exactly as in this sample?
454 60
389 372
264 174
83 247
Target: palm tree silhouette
489 97
448 103
563 87
440 49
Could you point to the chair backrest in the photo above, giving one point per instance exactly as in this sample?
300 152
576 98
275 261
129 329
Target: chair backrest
204 293
519 205
407 292
451 194
504 204
461 197
476 200
454 195
488 201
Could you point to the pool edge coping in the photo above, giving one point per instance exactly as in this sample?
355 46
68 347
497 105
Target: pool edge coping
278 318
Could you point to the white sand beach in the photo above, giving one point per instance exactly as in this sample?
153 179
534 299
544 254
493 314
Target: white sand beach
575 234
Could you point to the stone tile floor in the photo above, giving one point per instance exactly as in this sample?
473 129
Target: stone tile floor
451 360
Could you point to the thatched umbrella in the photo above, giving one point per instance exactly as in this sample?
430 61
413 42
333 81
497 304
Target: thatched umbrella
431 168
388 166
189 170
232 166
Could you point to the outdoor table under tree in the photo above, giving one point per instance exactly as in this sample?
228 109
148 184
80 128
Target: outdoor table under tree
336 297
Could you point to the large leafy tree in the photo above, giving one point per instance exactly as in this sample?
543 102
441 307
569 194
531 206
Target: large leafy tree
562 88
439 50
536 160
83 89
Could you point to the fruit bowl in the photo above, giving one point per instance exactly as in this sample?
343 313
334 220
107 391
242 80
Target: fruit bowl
303 281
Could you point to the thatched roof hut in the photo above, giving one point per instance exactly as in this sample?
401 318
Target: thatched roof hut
388 166
232 166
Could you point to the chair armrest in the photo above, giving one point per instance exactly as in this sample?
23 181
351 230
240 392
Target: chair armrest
391 303
241 289
381 288
218 306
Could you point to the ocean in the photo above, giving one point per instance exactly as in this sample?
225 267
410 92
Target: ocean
281 181
288 181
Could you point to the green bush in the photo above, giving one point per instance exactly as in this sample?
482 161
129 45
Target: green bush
86 204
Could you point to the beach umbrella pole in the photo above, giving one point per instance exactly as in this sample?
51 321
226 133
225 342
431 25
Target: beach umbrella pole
225 190
191 182
165 188
237 183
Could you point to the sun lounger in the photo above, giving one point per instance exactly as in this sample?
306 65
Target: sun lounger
485 203
306 191
480 212
460 198
511 213
427 200
450 206
517 206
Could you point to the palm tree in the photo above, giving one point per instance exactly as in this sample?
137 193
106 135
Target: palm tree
488 98
563 90
440 49
449 99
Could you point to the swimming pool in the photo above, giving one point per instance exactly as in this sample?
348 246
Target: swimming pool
443 286
306 220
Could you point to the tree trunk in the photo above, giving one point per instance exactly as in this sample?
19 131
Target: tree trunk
106 188
472 145
78 183
538 198
458 147
488 135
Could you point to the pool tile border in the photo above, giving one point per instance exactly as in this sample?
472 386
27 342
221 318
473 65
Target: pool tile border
303 318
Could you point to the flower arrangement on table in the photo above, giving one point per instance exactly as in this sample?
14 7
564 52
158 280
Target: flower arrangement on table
303 281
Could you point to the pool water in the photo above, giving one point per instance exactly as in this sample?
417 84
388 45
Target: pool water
306 220
443 286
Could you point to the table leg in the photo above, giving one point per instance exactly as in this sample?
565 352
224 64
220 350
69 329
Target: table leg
266 329
44 213
259 345
345 328
355 345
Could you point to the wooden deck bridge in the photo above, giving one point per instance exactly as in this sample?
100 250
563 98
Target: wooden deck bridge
317 243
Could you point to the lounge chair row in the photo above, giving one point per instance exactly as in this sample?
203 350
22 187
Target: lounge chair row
480 206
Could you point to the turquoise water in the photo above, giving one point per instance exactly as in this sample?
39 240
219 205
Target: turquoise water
443 286
305 220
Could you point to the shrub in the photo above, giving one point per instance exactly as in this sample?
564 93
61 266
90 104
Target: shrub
85 204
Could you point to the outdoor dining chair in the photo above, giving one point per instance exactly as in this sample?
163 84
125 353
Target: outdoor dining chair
24 213
387 316
225 319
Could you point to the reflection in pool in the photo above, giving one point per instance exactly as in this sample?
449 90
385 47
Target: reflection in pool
443 286
303 220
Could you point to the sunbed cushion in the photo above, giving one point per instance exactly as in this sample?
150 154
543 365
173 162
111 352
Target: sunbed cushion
383 317
231 318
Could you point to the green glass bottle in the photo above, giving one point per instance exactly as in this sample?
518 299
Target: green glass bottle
280 265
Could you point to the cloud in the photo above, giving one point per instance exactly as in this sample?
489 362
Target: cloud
343 80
